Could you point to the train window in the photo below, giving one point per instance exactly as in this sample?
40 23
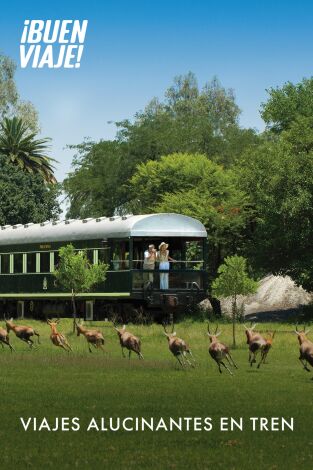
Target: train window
120 255
104 255
45 262
194 254
89 254
18 263
24 263
56 259
31 262
37 262
5 264
51 262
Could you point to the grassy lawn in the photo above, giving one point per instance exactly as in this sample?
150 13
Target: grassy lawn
48 382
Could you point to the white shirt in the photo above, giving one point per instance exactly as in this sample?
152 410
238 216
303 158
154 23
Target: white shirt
151 260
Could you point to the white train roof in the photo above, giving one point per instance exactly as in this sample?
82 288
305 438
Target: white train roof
151 225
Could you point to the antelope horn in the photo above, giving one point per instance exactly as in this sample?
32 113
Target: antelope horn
209 328
164 326
216 329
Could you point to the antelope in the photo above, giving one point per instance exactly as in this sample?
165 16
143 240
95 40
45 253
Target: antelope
4 338
256 343
306 349
58 339
22 332
267 347
218 351
93 337
129 341
178 347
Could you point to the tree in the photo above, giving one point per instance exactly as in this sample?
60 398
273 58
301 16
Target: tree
233 280
280 183
10 102
288 114
93 185
76 274
21 148
23 197
286 104
278 177
188 120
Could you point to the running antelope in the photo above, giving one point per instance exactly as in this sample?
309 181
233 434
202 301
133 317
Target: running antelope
93 337
129 341
58 339
219 351
269 342
4 338
256 343
306 349
22 332
178 347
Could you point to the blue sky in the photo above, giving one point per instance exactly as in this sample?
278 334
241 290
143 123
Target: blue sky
133 49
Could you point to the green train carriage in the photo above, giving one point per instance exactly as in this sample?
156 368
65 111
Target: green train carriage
29 255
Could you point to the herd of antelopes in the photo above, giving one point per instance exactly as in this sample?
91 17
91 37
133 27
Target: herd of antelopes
219 352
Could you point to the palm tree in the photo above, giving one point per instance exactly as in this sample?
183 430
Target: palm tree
19 146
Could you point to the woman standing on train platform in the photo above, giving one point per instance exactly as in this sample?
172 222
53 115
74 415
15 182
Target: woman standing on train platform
164 258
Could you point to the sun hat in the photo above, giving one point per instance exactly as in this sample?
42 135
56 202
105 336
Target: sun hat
162 244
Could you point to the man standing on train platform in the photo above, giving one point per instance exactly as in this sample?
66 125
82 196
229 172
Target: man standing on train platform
149 262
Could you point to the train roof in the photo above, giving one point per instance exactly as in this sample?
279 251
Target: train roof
150 225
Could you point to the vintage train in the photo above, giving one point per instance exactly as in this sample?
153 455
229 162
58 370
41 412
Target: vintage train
29 255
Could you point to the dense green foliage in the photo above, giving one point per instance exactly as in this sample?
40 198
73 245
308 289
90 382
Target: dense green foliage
93 186
21 148
24 198
106 385
24 164
189 120
283 195
10 102
288 104
278 177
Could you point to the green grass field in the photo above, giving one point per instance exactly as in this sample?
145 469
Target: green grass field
47 382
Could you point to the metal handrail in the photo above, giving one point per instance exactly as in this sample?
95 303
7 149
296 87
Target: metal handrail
178 261
166 270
